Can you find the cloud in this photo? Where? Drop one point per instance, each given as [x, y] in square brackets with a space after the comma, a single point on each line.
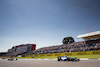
[3, 49]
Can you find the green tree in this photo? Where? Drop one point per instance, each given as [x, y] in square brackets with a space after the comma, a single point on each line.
[68, 40]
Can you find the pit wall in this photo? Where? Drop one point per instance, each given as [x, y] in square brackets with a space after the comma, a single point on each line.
[66, 54]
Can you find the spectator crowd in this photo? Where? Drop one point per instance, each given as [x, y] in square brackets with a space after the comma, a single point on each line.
[89, 45]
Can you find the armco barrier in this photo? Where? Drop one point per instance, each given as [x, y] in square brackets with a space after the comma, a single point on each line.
[74, 53]
[96, 52]
[67, 54]
[58, 54]
[81, 53]
[89, 52]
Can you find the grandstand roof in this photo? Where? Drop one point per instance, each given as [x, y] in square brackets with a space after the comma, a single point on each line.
[91, 35]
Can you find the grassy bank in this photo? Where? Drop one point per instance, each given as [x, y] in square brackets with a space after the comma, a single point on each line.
[77, 56]
[52, 57]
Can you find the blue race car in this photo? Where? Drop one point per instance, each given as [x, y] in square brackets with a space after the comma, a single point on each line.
[65, 58]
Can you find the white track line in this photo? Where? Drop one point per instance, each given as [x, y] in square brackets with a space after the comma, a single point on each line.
[99, 58]
[53, 59]
[36, 59]
[25, 59]
[84, 58]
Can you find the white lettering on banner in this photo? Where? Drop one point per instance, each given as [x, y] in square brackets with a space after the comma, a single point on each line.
[21, 49]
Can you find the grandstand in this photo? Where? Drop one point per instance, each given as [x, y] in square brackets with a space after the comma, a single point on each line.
[3, 53]
[23, 50]
[91, 42]
[90, 36]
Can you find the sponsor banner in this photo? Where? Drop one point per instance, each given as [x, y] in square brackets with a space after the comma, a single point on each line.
[96, 52]
[68, 54]
[58, 54]
[89, 52]
[41, 54]
[49, 54]
[36, 55]
[81, 53]
[74, 53]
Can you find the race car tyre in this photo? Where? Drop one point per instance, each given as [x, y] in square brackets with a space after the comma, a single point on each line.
[72, 59]
[58, 59]
[65, 60]
[16, 59]
[68, 59]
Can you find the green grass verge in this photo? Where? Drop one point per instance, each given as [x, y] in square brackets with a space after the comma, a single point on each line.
[87, 56]
[77, 56]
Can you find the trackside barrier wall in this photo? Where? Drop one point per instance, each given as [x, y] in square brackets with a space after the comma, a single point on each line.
[67, 54]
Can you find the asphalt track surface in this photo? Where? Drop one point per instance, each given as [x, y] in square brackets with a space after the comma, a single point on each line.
[49, 63]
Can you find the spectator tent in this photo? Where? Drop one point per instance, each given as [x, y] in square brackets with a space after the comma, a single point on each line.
[89, 36]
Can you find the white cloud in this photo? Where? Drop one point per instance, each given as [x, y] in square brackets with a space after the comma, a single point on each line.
[3, 49]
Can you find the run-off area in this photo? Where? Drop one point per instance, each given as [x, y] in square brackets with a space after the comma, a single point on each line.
[50, 63]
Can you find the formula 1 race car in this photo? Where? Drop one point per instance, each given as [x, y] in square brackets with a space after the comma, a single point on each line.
[65, 58]
[12, 59]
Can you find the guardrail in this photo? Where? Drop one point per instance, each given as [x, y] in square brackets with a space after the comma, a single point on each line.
[67, 54]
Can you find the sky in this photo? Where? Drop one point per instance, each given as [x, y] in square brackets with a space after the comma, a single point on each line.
[46, 22]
